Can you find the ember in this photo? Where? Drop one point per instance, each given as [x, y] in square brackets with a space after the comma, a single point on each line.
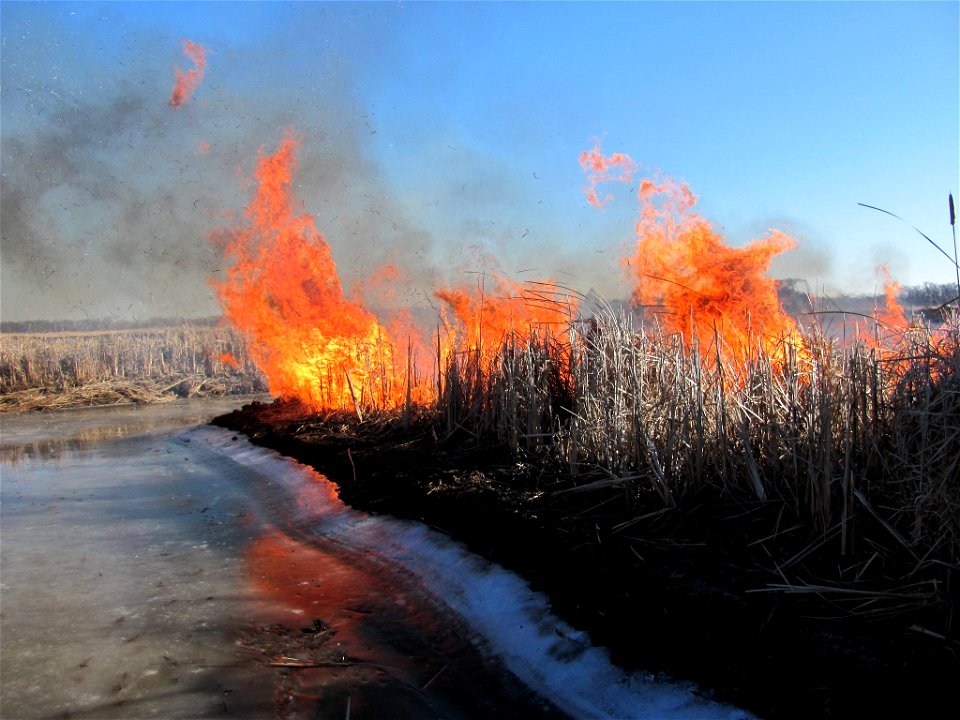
[187, 82]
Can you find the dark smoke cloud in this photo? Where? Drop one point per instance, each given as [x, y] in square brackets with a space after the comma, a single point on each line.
[108, 200]
[96, 194]
[106, 203]
[93, 216]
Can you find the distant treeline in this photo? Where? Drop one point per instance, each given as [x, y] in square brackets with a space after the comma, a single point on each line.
[794, 296]
[100, 324]
[929, 295]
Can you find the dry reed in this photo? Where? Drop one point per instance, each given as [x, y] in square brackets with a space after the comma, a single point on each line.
[856, 443]
[51, 370]
[859, 445]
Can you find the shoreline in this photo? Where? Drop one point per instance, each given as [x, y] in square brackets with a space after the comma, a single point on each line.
[118, 392]
[686, 592]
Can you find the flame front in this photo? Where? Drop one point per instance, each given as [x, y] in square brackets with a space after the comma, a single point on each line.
[313, 342]
[483, 318]
[283, 292]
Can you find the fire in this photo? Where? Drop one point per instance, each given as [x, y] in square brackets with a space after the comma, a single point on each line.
[891, 317]
[187, 82]
[601, 169]
[314, 343]
[709, 290]
[228, 358]
[686, 274]
[499, 309]
[894, 339]
[283, 292]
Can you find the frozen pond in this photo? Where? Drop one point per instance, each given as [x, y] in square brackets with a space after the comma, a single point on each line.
[154, 566]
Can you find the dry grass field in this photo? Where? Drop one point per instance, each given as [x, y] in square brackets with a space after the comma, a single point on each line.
[48, 370]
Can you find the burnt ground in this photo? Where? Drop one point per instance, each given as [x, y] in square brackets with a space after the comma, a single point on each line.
[686, 592]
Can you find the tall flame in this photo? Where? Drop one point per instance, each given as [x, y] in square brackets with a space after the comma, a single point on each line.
[894, 338]
[187, 82]
[891, 316]
[708, 289]
[283, 292]
[685, 273]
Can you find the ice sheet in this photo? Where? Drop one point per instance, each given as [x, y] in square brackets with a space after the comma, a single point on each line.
[512, 621]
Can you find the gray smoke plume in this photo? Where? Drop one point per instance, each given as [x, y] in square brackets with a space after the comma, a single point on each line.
[108, 195]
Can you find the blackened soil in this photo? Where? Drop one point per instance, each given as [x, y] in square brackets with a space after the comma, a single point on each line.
[688, 592]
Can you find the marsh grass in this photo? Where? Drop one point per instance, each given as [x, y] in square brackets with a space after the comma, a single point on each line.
[856, 444]
[65, 369]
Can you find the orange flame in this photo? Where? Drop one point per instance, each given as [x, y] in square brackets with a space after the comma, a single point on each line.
[486, 316]
[892, 315]
[707, 288]
[893, 336]
[187, 82]
[315, 344]
[283, 292]
[601, 169]
[697, 285]
[228, 358]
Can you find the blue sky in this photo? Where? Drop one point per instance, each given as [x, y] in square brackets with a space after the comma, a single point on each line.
[441, 135]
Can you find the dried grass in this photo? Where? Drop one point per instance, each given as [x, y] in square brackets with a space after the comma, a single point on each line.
[856, 448]
[46, 371]
[859, 446]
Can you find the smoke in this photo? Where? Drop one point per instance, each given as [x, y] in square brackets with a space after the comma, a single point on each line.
[108, 194]
[98, 216]
[810, 258]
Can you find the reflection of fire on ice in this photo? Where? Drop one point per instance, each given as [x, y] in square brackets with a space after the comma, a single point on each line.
[499, 610]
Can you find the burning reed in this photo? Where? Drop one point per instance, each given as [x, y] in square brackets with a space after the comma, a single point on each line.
[707, 394]
[859, 444]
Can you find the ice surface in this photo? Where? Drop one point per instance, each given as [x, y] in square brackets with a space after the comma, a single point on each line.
[152, 567]
[510, 619]
[116, 591]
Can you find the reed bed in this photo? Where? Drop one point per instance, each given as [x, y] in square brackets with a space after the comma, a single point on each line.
[856, 445]
[52, 370]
